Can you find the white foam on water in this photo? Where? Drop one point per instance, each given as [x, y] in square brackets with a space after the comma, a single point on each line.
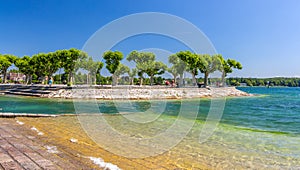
[74, 140]
[34, 129]
[104, 165]
[38, 132]
[20, 123]
[51, 149]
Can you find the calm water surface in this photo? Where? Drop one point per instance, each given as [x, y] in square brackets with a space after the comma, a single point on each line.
[254, 132]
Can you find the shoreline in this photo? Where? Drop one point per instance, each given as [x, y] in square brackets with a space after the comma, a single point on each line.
[147, 93]
[122, 92]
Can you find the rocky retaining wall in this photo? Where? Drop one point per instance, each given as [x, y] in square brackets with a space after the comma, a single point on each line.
[147, 93]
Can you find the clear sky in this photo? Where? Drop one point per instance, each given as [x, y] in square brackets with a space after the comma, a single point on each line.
[264, 35]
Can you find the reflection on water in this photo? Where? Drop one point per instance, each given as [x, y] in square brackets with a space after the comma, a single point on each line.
[255, 132]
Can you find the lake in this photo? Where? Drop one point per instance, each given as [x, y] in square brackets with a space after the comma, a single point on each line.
[254, 132]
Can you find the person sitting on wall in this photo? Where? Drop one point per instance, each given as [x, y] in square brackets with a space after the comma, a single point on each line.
[167, 83]
[173, 83]
[50, 82]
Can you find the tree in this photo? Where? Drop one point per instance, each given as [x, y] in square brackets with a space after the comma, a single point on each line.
[154, 68]
[142, 60]
[98, 72]
[6, 61]
[122, 69]
[70, 60]
[132, 74]
[93, 67]
[24, 67]
[208, 64]
[191, 61]
[179, 66]
[39, 63]
[52, 63]
[113, 60]
[227, 66]
[174, 71]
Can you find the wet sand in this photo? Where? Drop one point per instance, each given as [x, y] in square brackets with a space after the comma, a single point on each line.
[61, 143]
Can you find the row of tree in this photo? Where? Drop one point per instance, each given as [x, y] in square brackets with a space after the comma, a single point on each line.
[277, 81]
[181, 62]
[44, 65]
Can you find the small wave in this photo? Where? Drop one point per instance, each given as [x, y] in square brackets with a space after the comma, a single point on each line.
[36, 130]
[20, 123]
[105, 165]
[263, 131]
[51, 149]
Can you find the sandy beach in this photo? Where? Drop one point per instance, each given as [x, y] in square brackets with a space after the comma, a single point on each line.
[62, 143]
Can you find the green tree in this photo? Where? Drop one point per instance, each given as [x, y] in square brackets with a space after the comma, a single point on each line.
[179, 67]
[52, 63]
[132, 74]
[23, 64]
[142, 60]
[227, 66]
[192, 62]
[122, 69]
[70, 61]
[208, 64]
[154, 68]
[6, 61]
[98, 72]
[38, 62]
[174, 71]
[113, 60]
[93, 67]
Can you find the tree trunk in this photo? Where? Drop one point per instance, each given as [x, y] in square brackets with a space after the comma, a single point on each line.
[205, 79]
[131, 80]
[141, 81]
[87, 79]
[95, 80]
[194, 79]
[151, 80]
[174, 77]
[71, 78]
[26, 78]
[223, 79]
[29, 78]
[114, 80]
[180, 80]
[4, 76]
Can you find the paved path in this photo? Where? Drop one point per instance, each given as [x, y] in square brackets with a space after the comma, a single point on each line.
[44, 143]
[20, 148]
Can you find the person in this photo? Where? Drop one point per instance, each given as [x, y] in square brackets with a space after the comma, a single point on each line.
[167, 83]
[50, 82]
[173, 83]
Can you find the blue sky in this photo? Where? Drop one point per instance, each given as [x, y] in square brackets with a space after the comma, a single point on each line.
[263, 35]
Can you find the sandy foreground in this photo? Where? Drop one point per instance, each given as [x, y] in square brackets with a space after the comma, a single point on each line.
[60, 143]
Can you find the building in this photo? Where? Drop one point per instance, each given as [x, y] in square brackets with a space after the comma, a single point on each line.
[16, 77]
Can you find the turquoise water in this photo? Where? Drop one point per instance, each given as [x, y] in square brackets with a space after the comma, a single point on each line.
[264, 129]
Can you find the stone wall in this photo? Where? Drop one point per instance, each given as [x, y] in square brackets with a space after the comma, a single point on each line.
[146, 93]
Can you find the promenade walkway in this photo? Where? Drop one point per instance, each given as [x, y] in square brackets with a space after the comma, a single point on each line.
[60, 143]
[22, 148]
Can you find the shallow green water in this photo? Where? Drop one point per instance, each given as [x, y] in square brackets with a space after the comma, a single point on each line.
[263, 130]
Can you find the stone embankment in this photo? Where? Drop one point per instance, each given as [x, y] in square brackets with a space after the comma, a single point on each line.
[146, 93]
